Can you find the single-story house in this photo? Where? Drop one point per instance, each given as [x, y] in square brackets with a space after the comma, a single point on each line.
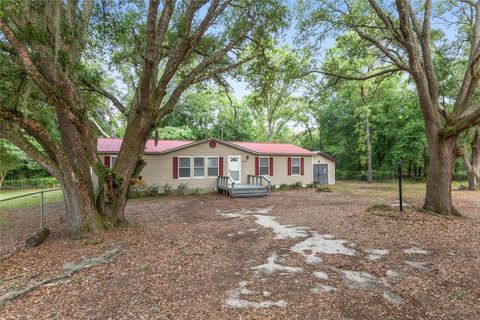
[197, 164]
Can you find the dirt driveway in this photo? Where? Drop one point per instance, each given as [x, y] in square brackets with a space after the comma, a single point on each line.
[293, 255]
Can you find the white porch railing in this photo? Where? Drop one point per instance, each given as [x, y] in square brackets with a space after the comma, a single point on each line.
[257, 180]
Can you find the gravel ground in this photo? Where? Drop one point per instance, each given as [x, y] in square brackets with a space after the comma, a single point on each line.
[294, 255]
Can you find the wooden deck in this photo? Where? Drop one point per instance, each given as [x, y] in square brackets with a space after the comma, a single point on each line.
[244, 190]
[238, 190]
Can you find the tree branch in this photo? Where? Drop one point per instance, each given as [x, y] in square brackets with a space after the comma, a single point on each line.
[36, 131]
[465, 121]
[377, 43]
[120, 106]
[30, 67]
[17, 138]
[348, 77]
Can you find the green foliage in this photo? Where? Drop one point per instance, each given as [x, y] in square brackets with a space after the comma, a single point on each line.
[8, 159]
[167, 188]
[33, 183]
[273, 80]
[207, 113]
[339, 110]
[176, 133]
[294, 186]
[103, 172]
[144, 191]
[182, 189]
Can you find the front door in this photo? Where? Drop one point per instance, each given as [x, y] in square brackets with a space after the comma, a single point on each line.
[320, 173]
[234, 170]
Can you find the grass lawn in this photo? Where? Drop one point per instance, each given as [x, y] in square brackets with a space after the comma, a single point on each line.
[296, 254]
[28, 201]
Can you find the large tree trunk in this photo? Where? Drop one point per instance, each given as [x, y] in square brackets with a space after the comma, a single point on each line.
[81, 211]
[113, 198]
[320, 138]
[2, 177]
[77, 183]
[369, 149]
[442, 155]
[472, 163]
[472, 181]
[474, 175]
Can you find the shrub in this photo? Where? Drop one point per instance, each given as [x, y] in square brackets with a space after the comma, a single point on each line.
[167, 188]
[284, 186]
[33, 183]
[195, 191]
[182, 189]
[153, 190]
[294, 186]
[138, 191]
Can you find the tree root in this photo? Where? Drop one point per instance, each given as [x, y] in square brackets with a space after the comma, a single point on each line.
[68, 270]
[455, 213]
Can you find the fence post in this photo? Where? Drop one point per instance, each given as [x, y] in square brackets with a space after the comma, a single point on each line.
[400, 196]
[41, 210]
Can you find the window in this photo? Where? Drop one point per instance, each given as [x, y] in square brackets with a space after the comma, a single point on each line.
[198, 167]
[184, 167]
[212, 170]
[113, 159]
[296, 166]
[264, 166]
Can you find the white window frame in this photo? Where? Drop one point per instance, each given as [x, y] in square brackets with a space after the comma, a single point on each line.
[218, 166]
[260, 166]
[112, 162]
[191, 167]
[299, 166]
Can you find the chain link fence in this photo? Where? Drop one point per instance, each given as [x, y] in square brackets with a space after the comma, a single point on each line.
[22, 215]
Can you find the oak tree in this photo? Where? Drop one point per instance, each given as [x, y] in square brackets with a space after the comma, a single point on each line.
[401, 37]
[164, 47]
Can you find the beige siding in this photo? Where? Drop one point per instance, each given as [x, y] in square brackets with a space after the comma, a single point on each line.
[159, 168]
[280, 171]
[331, 167]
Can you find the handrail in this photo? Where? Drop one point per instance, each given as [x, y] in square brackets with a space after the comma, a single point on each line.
[257, 180]
[222, 181]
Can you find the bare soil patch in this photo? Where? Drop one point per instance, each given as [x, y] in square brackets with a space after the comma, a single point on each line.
[213, 257]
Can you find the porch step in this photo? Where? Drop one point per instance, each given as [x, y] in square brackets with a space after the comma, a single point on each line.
[244, 190]
[247, 194]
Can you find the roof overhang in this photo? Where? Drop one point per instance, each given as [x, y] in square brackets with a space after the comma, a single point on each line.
[326, 155]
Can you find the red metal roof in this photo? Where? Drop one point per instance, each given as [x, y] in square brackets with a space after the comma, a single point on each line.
[112, 145]
[273, 148]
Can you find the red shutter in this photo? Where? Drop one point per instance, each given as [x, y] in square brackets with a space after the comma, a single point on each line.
[289, 166]
[257, 168]
[220, 166]
[175, 167]
[271, 166]
[106, 161]
[301, 166]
